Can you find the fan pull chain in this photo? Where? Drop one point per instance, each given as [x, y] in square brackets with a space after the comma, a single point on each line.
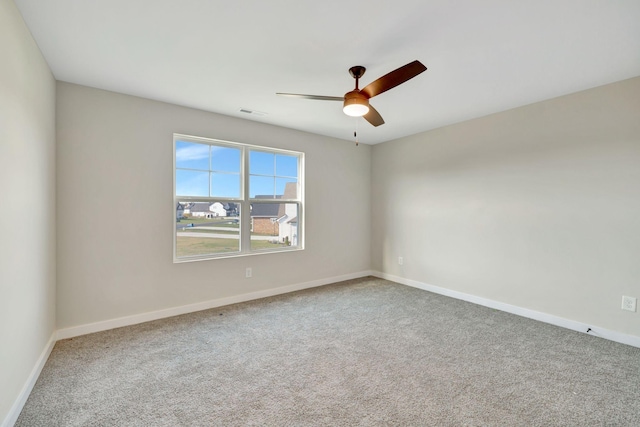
[355, 132]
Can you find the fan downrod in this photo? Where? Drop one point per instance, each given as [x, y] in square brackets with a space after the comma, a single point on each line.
[357, 72]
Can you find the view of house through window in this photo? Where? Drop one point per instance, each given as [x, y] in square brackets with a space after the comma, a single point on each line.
[235, 199]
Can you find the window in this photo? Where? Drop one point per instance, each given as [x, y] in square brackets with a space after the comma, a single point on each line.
[235, 199]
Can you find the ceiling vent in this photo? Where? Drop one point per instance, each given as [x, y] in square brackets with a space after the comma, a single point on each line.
[252, 112]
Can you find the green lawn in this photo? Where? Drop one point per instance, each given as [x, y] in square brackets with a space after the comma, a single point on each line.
[190, 246]
[264, 244]
[196, 230]
[215, 222]
[195, 220]
[235, 225]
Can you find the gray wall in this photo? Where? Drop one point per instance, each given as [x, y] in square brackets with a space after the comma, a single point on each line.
[537, 207]
[115, 208]
[27, 192]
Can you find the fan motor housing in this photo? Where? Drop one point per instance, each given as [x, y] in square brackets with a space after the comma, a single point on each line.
[357, 71]
[355, 97]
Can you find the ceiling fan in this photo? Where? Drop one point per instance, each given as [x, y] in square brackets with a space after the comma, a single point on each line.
[356, 102]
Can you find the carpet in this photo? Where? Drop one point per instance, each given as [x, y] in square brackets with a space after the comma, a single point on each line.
[365, 352]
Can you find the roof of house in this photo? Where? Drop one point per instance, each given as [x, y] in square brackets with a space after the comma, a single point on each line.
[200, 207]
[290, 192]
[268, 210]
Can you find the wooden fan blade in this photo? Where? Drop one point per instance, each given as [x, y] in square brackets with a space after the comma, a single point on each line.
[316, 97]
[373, 117]
[393, 79]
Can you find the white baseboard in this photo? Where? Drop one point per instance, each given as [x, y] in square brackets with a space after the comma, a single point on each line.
[75, 331]
[520, 311]
[17, 406]
[205, 305]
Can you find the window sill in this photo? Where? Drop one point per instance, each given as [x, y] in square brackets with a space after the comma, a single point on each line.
[210, 257]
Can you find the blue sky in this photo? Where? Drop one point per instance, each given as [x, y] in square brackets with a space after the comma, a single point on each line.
[200, 167]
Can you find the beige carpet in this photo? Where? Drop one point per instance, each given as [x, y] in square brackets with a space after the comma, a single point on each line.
[366, 352]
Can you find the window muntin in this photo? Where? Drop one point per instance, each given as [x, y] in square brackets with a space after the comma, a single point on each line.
[204, 170]
[224, 199]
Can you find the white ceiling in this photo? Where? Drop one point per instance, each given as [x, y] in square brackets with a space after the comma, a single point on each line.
[221, 56]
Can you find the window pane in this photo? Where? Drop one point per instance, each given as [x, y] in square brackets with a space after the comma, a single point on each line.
[274, 225]
[225, 185]
[204, 228]
[261, 163]
[225, 159]
[192, 156]
[286, 165]
[192, 183]
[287, 188]
[261, 186]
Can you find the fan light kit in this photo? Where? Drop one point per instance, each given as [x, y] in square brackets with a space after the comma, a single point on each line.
[356, 102]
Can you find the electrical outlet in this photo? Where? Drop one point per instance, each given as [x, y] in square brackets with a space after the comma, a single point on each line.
[248, 273]
[400, 260]
[629, 303]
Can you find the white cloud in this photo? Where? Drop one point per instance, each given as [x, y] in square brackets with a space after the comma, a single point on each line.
[192, 152]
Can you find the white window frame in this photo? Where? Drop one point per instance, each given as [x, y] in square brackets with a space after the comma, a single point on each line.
[244, 200]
